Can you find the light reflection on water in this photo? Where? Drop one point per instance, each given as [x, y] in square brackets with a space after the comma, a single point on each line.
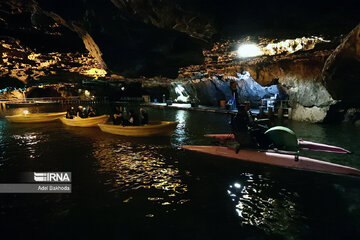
[258, 203]
[149, 177]
[28, 142]
[140, 166]
[180, 136]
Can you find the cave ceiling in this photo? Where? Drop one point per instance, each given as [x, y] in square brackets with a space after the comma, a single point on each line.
[149, 38]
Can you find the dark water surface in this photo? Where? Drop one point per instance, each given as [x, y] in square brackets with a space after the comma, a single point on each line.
[148, 188]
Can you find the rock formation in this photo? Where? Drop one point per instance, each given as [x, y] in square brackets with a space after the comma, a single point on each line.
[23, 65]
[341, 73]
[169, 42]
[298, 75]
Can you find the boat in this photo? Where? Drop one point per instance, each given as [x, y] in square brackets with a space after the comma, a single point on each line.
[304, 145]
[35, 117]
[85, 122]
[277, 159]
[159, 128]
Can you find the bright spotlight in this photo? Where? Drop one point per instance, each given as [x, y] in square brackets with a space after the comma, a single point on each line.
[249, 50]
[26, 112]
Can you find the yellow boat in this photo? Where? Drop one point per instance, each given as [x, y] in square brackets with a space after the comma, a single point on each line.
[35, 117]
[160, 128]
[85, 122]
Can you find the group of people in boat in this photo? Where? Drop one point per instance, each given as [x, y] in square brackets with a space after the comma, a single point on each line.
[81, 112]
[132, 119]
[119, 117]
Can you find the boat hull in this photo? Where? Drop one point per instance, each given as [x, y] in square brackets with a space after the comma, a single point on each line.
[163, 128]
[305, 145]
[35, 117]
[85, 122]
[277, 159]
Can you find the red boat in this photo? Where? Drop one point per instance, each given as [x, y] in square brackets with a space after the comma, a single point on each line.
[278, 159]
[304, 145]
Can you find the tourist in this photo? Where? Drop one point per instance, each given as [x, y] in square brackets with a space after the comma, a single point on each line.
[71, 113]
[81, 112]
[133, 119]
[248, 133]
[240, 128]
[144, 116]
[91, 112]
[118, 116]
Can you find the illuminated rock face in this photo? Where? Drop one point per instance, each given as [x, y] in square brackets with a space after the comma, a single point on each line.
[36, 45]
[264, 69]
[309, 100]
[71, 39]
[341, 73]
[210, 91]
[309, 114]
[227, 51]
[298, 75]
[205, 91]
[135, 38]
[250, 90]
[149, 38]
[23, 64]
[131, 38]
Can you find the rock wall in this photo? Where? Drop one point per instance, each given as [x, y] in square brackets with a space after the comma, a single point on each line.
[249, 90]
[205, 91]
[24, 65]
[296, 75]
[209, 91]
[341, 73]
[309, 114]
[69, 39]
[308, 98]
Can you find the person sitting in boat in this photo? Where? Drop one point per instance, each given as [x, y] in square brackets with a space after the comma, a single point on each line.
[81, 112]
[144, 116]
[118, 116]
[240, 124]
[91, 112]
[71, 113]
[248, 133]
[133, 119]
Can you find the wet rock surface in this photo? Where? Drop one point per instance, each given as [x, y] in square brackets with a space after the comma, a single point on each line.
[341, 73]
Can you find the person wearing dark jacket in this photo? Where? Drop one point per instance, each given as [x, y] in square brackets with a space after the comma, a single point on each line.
[240, 125]
[118, 116]
[81, 112]
[144, 116]
[133, 119]
[91, 112]
[248, 133]
[71, 113]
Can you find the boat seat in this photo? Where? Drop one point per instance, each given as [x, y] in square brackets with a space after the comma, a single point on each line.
[283, 138]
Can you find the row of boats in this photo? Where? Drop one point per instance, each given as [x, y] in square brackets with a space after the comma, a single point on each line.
[156, 128]
[166, 128]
